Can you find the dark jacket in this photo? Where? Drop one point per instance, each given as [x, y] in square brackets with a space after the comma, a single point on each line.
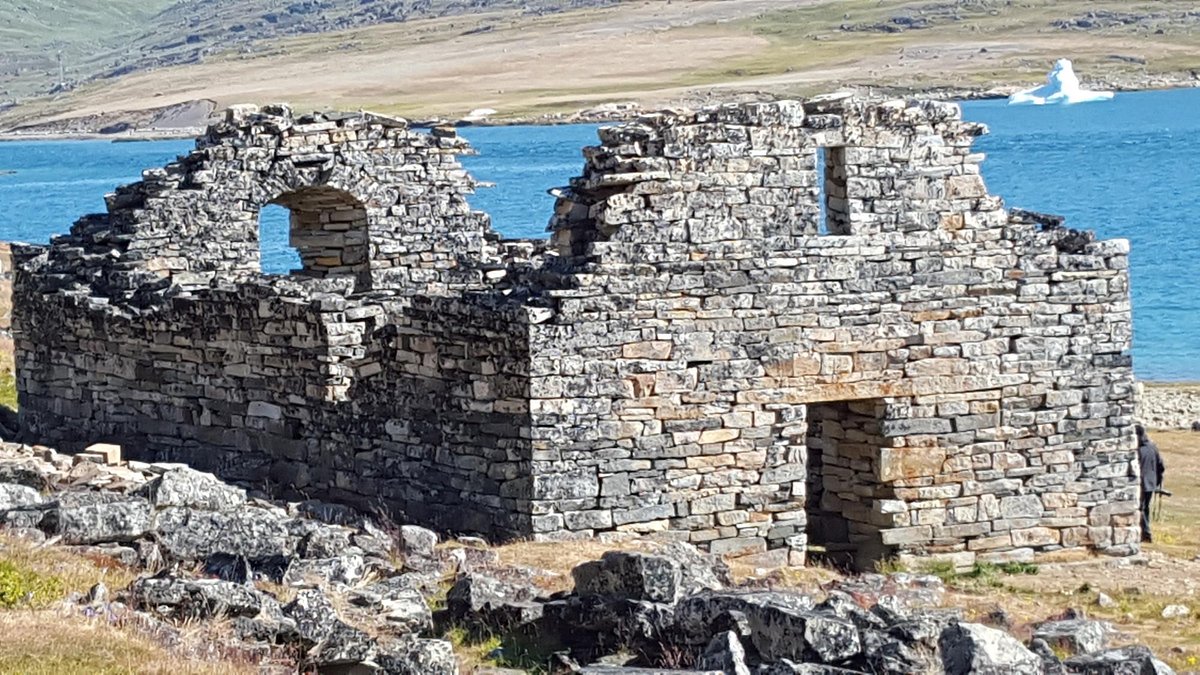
[1152, 466]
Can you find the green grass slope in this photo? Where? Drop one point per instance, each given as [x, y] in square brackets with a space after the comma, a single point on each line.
[33, 24]
[109, 38]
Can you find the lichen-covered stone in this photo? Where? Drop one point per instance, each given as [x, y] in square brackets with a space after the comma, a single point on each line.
[94, 518]
[189, 534]
[196, 598]
[193, 489]
[971, 648]
[13, 496]
[417, 656]
[1077, 636]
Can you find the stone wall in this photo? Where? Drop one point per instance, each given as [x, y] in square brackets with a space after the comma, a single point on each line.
[711, 276]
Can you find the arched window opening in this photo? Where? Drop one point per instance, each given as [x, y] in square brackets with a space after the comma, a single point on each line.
[315, 232]
[275, 252]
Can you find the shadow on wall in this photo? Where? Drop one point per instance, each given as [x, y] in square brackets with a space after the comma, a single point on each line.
[8, 381]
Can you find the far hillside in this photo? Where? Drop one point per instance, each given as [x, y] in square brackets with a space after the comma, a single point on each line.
[532, 57]
[104, 39]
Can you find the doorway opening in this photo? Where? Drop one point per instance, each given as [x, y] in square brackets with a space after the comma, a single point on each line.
[844, 440]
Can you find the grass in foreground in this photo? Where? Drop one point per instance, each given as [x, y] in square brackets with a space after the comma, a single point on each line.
[41, 635]
[8, 389]
[53, 643]
[52, 573]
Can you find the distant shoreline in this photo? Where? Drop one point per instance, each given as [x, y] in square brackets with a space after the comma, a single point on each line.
[599, 115]
[134, 137]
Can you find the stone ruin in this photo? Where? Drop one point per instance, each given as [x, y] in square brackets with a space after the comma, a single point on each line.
[771, 329]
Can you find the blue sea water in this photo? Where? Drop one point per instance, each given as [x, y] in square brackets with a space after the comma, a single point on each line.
[1125, 169]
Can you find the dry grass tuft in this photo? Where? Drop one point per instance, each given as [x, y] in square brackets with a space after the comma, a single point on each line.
[53, 643]
[50, 636]
[558, 558]
[76, 573]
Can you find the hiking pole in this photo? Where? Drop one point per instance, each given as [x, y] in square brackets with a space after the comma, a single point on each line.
[1158, 505]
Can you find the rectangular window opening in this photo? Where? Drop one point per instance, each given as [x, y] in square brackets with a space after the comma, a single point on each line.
[832, 194]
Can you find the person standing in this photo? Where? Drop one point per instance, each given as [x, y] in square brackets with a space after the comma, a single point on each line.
[1152, 476]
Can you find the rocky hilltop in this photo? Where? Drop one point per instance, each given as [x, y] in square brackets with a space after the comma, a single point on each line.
[321, 587]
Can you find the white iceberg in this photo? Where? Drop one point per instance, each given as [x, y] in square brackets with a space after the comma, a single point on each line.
[480, 114]
[1061, 88]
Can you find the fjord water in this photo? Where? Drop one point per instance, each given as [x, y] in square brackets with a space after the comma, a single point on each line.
[1125, 168]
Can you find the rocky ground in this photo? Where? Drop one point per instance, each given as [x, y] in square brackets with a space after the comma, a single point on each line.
[1170, 406]
[230, 578]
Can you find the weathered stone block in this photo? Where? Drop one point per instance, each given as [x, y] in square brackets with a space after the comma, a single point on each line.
[908, 462]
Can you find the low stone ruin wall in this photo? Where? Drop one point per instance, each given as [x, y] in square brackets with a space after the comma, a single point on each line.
[304, 395]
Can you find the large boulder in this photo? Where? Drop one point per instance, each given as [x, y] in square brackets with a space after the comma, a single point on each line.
[1076, 636]
[630, 576]
[974, 649]
[189, 534]
[778, 633]
[704, 614]
[1137, 660]
[98, 517]
[195, 598]
[416, 656]
[488, 601]
[663, 576]
[183, 486]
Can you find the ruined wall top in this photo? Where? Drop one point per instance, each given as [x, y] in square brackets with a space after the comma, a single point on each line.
[738, 180]
[379, 207]
[374, 206]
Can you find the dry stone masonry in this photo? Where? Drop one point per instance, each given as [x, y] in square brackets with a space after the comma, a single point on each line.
[758, 328]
